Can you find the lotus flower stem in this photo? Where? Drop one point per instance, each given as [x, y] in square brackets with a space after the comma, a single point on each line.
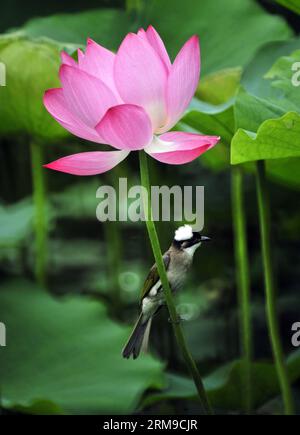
[243, 280]
[264, 219]
[205, 406]
[39, 198]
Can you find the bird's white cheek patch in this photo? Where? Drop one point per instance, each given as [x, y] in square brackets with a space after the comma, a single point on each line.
[191, 250]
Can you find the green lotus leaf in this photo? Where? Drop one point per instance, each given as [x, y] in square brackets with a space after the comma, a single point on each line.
[64, 356]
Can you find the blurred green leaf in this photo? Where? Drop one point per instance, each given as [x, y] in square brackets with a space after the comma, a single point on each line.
[224, 386]
[31, 68]
[77, 201]
[230, 32]
[285, 80]
[213, 114]
[220, 86]
[210, 119]
[65, 356]
[269, 95]
[224, 36]
[251, 111]
[15, 223]
[253, 77]
[282, 68]
[217, 159]
[75, 254]
[293, 5]
[267, 113]
[106, 26]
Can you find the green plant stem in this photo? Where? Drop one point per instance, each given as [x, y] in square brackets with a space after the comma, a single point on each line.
[134, 5]
[205, 406]
[243, 280]
[114, 250]
[114, 255]
[264, 219]
[39, 198]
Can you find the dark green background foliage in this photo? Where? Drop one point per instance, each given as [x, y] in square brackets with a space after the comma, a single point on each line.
[64, 343]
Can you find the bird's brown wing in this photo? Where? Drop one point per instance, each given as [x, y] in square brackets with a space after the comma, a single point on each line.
[153, 276]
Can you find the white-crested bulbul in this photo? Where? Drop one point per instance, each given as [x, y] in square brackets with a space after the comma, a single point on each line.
[177, 260]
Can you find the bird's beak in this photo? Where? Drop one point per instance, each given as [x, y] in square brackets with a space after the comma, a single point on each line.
[205, 239]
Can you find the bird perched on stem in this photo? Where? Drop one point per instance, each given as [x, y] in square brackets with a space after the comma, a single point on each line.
[177, 260]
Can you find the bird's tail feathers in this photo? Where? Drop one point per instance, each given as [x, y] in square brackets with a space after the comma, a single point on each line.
[138, 339]
[145, 342]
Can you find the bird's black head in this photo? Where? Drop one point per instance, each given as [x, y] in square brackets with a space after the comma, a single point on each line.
[185, 237]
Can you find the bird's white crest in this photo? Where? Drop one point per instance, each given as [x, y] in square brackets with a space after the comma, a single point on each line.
[184, 233]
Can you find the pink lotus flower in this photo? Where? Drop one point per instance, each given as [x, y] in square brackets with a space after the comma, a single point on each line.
[128, 100]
